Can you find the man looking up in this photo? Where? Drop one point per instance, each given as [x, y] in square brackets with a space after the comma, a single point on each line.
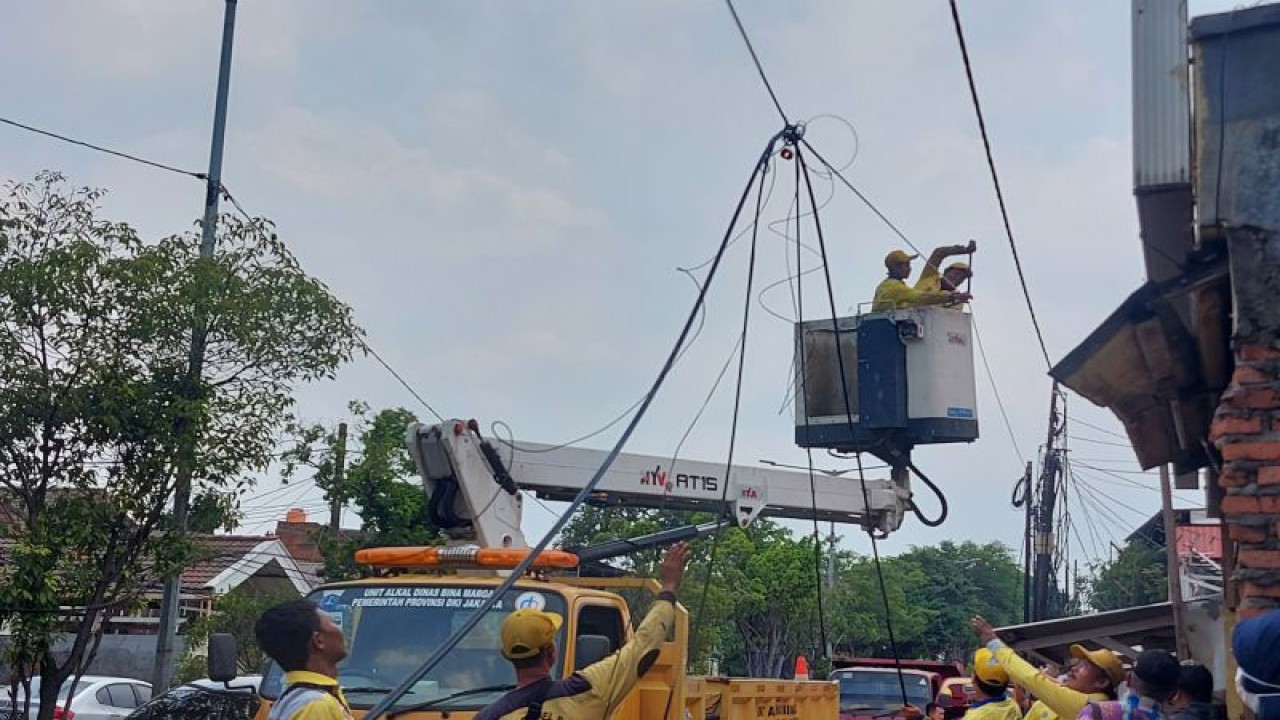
[308, 646]
[1094, 677]
[528, 641]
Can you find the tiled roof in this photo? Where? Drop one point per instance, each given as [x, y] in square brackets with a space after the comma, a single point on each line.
[216, 553]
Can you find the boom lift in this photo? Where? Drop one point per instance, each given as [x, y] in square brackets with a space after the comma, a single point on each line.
[474, 497]
[418, 596]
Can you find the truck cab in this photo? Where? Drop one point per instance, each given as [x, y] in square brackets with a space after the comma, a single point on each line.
[391, 624]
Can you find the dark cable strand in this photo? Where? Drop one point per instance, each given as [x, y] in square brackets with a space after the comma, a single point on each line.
[995, 180]
[519, 571]
[756, 59]
[101, 149]
[844, 391]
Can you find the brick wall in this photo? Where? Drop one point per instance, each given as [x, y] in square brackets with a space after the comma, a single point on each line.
[1246, 431]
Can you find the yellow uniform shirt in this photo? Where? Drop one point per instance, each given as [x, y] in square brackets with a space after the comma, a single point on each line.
[1002, 709]
[592, 692]
[895, 294]
[1054, 701]
[931, 282]
[310, 696]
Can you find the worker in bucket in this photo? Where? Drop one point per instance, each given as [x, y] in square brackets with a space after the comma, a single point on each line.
[528, 641]
[991, 692]
[893, 293]
[934, 278]
[1093, 677]
[1151, 684]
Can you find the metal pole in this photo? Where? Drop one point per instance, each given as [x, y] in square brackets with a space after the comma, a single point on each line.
[1028, 504]
[1171, 559]
[162, 671]
[339, 471]
[1044, 545]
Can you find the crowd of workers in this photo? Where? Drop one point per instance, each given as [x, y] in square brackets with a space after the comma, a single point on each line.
[308, 646]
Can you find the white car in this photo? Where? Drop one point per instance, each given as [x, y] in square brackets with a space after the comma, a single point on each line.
[96, 698]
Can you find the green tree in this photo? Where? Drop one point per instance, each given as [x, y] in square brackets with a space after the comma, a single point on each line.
[1135, 576]
[856, 609]
[380, 480]
[98, 399]
[961, 580]
[236, 613]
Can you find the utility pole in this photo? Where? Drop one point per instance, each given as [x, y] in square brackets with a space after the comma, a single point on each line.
[185, 465]
[1044, 540]
[1171, 560]
[339, 472]
[1027, 506]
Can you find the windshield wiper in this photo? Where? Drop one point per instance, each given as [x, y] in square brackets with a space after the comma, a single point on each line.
[370, 689]
[428, 704]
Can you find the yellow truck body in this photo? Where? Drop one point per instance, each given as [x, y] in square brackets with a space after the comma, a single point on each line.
[391, 622]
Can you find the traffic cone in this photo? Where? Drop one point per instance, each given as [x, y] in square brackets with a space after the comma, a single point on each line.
[802, 668]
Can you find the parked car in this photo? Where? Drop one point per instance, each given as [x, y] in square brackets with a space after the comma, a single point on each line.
[95, 698]
[205, 700]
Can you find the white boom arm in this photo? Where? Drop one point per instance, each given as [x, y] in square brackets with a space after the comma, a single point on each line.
[474, 498]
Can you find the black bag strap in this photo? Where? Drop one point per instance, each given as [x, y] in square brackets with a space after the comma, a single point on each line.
[535, 704]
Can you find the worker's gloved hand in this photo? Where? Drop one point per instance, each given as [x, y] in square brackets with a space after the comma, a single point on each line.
[673, 564]
[986, 633]
[911, 712]
[959, 297]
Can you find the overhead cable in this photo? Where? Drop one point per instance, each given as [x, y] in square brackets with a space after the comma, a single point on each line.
[995, 180]
[518, 572]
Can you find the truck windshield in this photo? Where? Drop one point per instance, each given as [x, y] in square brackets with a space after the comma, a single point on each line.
[870, 692]
[391, 629]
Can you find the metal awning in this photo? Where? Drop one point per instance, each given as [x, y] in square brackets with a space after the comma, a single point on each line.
[1048, 641]
[1144, 364]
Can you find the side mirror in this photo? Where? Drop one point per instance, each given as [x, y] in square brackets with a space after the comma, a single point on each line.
[590, 649]
[222, 657]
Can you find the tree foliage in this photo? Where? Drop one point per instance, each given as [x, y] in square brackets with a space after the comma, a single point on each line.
[761, 592]
[236, 612]
[98, 394]
[1135, 576]
[379, 480]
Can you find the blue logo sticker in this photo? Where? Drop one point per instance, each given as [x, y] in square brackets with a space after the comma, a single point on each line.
[959, 412]
[330, 602]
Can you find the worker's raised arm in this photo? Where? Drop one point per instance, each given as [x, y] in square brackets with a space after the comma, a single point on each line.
[612, 678]
[1063, 701]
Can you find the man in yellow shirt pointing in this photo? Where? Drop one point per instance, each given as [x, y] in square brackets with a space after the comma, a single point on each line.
[1094, 677]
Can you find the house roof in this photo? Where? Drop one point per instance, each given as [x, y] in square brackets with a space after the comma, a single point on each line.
[225, 561]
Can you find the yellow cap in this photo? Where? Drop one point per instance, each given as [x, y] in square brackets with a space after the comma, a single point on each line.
[526, 632]
[898, 256]
[958, 266]
[988, 669]
[1105, 660]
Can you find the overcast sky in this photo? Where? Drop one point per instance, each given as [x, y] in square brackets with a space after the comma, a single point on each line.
[504, 191]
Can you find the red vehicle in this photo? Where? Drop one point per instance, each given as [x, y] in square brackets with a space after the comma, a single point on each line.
[869, 687]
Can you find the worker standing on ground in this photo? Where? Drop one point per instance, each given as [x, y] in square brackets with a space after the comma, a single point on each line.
[1194, 700]
[893, 293]
[991, 690]
[1094, 677]
[1152, 683]
[308, 646]
[528, 641]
